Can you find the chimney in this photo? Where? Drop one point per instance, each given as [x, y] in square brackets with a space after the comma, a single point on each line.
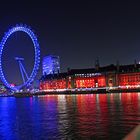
[135, 63]
[68, 70]
[97, 65]
[117, 65]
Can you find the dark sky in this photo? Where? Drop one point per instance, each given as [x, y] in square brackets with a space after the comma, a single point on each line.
[76, 31]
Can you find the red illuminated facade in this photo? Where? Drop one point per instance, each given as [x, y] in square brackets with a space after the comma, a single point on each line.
[90, 82]
[124, 76]
[85, 82]
[130, 79]
[53, 84]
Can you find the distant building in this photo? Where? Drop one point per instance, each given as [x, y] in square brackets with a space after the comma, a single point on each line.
[111, 76]
[51, 65]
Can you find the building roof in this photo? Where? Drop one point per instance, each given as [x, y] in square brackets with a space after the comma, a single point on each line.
[54, 76]
[108, 68]
[104, 69]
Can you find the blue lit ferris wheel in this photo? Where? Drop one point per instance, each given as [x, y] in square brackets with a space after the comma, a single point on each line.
[30, 33]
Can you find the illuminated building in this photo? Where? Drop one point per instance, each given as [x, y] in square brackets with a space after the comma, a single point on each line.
[51, 65]
[2, 88]
[111, 76]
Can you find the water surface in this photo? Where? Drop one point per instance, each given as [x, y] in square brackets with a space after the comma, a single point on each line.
[90, 116]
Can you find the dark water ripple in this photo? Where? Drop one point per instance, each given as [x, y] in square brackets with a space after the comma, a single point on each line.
[98, 116]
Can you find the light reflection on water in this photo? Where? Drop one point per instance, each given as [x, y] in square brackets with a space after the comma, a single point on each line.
[90, 116]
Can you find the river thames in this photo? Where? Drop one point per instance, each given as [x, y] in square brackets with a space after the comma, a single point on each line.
[72, 117]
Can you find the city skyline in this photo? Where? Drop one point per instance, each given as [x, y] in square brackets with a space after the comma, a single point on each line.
[77, 31]
[69, 70]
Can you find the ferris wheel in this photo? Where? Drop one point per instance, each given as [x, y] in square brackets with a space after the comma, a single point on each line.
[29, 79]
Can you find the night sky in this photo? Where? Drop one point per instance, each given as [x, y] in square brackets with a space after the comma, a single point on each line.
[77, 31]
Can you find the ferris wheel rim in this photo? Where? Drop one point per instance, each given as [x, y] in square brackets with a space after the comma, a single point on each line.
[30, 33]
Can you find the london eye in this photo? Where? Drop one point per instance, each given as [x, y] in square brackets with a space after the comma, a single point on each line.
[29, 78]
